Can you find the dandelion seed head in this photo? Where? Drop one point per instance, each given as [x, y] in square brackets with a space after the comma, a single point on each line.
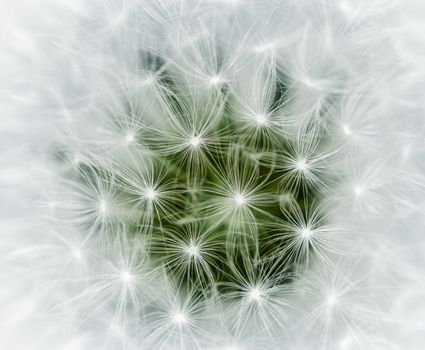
[230, 171]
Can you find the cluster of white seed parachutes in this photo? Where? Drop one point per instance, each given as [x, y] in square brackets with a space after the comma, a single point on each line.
[222, 175]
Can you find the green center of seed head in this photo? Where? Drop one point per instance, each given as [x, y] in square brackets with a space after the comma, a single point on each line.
[228, 201]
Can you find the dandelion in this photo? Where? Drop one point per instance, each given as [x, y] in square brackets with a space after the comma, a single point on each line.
[217, 174]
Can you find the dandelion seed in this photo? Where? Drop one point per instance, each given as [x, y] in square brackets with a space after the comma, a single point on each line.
[302, 165]
[103, 207]
[129, 137]
[309, 82]
[264, 47]
[126, 277]
[148, 80]
[195, 141]
[240, 199]
[346, 343]
[358, 190]
[215, 80]
[261, 119]
[192, 250]
[78, 255]
[347, 130]
[179, 318]
[331, 299]
[76, 159]
[346, 7]
[150, 194]
[306, 233]
[255, 294]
